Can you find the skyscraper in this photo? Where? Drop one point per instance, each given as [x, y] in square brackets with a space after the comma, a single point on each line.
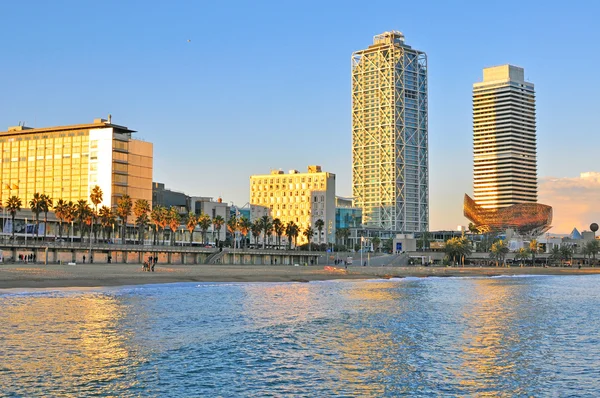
[390, 171]
[504, 139]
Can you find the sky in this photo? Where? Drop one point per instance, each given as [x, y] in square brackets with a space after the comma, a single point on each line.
[225, 90]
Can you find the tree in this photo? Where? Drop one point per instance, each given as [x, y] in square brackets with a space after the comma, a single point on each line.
[344, 234]
[158, 217]
[592, 248]
[499, 251]
[124, 205]
[555, 254]
[60, 209]
[190, 224]
[266, 226]
[69, 215]
[291, 231]
[319, 224]
[232, 227]
[308, 233]
[141, 208]
[82, 210]
[174, 221]
[376, 242]
[218, 223]
[46, 205]
[256, 229]
[458, 247]
[96, 198]
[245, 226]
[13, 205]
[279, 229]
[36, 208]
[204, 223]
[107, 220]
[522, 254]
[566, 253]
[533, 250]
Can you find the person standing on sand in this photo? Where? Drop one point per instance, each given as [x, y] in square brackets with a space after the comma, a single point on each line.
[84, 258]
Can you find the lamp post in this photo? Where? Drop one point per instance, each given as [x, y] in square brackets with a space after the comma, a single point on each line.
[72, 231]
[25, 231]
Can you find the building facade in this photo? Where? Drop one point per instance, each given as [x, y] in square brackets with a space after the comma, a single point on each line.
[302, 198]
[504, 139]
[346, 215]
[390, 165]
[66, 162]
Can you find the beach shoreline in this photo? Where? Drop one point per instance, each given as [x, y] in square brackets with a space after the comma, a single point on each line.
[25, 276]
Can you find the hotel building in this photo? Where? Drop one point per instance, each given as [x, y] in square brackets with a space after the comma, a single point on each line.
[66, 162]
[390, 170]
[302, 198]
[504, 139]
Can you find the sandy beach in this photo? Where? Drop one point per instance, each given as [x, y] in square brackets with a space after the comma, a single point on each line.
[14, 276]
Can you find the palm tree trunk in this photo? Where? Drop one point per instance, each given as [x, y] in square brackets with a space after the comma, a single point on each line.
[45, 224]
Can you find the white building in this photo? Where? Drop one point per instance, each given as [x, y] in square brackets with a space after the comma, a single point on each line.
[504, 138]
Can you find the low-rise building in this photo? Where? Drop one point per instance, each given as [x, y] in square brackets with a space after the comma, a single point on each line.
[302, 198]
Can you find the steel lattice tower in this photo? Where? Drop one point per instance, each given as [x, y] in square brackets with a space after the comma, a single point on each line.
[390, 171]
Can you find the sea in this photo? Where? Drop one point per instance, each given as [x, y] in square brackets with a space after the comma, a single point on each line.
[482, 336]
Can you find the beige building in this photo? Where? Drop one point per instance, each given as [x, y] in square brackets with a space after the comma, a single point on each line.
[65, 162]
[302, 198]
[504, 139]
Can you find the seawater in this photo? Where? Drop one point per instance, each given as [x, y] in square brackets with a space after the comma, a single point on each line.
[535, 336]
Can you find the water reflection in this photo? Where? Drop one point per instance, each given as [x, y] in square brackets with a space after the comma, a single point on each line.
[69, 342]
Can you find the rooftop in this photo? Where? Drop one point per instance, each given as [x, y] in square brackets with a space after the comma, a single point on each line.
[98, 123]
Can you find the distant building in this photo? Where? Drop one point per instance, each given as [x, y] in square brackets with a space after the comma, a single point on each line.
[66, 162]
[167, 198]
[390, 161]
[346, 215]
[302, 198]
[504, 139]
[505, 155]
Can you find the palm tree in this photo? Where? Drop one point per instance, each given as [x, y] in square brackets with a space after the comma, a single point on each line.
[457, 247]
[279, 229]
[291, 231]
[592, 248]
[343, 234]
[69, 214]
[555, 254]
[141, 208]
[566, 252]
[46, 205]
[498, 251]
[522, 254]
[204, 223]
[266, 226]
[533, 249]
[107, 220]
[218, 223]
[244, 225]
[157, 216]
[256, 229]
[96, 196]
[59, 211]
[13, 205]
[232, 227]
[36, 207]
[124, 205]
[308, 234]
[376, 242]
[82, 210]
[190, 224]
[319, 224]
[174, 221]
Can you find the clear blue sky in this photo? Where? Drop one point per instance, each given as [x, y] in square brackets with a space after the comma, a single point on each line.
[265, 85]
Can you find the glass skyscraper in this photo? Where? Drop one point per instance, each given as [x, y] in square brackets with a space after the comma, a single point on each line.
[390, 165]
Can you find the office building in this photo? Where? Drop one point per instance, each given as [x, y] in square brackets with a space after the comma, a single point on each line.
[302, 198]
[66, 162]
[504, 139]
[390, 171]
[346, 215]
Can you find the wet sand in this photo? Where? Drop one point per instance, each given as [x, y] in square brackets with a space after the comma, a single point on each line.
[18, 276]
